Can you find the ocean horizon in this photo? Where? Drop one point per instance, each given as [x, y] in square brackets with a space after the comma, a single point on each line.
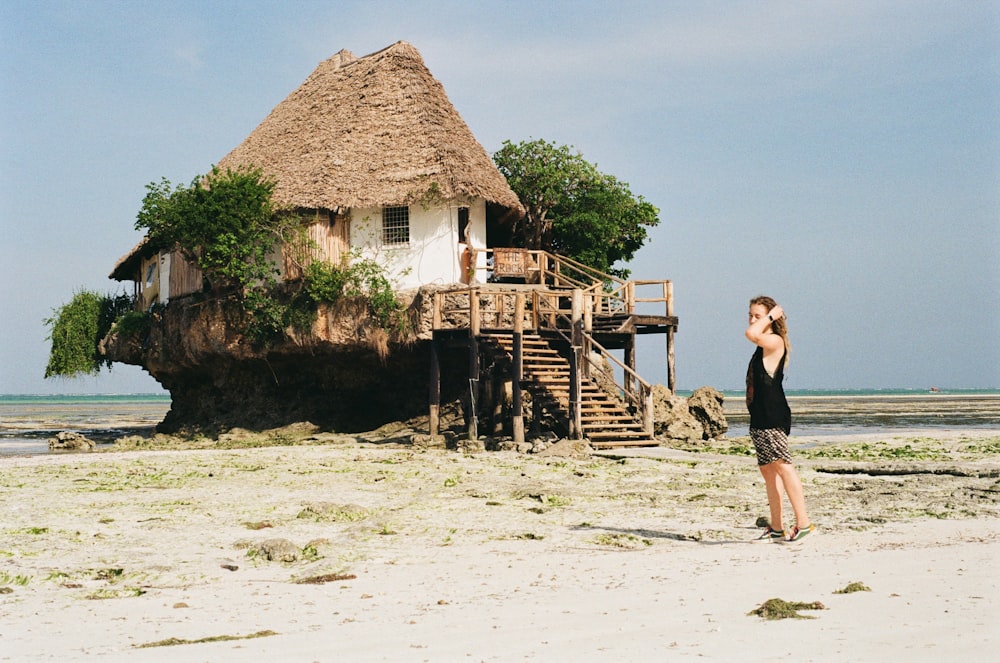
[833, 391]
[27, 421]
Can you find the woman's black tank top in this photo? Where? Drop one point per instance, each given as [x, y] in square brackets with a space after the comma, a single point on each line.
[765, 395]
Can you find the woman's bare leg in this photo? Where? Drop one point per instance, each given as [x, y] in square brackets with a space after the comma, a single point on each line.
[773, 483]
[793, 488]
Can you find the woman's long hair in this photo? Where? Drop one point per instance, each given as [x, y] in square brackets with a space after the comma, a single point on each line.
[779, 327]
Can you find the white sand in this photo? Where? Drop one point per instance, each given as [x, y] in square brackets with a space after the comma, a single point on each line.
[494, 557]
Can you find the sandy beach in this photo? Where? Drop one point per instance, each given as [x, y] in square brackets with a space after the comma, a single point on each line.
[343, 549]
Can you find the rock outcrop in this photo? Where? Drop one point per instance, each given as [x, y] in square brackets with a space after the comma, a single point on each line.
[705, 405]
[697, 418]
[70, 441]
[343, 374]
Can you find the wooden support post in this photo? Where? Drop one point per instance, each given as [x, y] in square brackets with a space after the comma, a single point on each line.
[517, 419]
[434, 395]
[647, 410]
[630, 362]
[436, 314]
[497, 398]
[576, 313]
[576, 363]
[473, 418]
[536, 417]
[576, 383]
[474, 312]
[588, 327]
[668, 294]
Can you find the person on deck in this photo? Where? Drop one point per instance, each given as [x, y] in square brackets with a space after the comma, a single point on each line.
[771, 418]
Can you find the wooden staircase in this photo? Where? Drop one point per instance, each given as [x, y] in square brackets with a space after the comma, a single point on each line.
[605, 420]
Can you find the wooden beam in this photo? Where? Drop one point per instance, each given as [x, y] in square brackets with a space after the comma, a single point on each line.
[517, 417]
[474, 312]
[630, 362]
[434, 395]
[473, 414]
[576, 377]
[668, 294]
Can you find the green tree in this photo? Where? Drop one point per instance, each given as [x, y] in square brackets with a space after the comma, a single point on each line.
[572, 208]
[224, 222]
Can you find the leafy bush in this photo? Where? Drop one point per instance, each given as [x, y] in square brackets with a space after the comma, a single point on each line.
[76, 329]
[324, 282]
[224, 222]
[267, 318]
[364, 278]
[134, 324]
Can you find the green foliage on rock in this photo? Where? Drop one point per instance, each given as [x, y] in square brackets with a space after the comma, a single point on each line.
[572, 208]
[133, 324]
[76, 329]
[227, 224]
[325, 283]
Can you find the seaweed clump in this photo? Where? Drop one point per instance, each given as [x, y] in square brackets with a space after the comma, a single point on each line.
[781, 609]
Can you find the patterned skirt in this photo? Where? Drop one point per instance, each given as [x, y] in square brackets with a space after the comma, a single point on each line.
[771, 445]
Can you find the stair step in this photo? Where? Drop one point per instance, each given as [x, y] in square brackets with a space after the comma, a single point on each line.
[611, 444]
[618, 434]
[624, 422]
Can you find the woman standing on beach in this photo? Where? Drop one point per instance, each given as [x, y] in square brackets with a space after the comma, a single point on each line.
[771, 418]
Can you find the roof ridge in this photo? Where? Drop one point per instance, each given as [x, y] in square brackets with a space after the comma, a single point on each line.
[399, 47]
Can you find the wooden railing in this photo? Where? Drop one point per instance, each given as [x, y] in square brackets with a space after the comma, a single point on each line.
[611, 294]
[485, 307]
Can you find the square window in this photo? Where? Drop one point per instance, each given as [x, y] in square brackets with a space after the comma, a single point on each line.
[396, 225]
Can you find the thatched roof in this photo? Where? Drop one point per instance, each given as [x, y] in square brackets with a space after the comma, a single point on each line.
[369, 132]
[128, 264]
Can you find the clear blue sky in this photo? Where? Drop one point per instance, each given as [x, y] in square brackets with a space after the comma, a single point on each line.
[843, 157]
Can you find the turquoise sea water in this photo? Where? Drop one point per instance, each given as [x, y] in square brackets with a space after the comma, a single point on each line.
[27, 421]
[817, 413]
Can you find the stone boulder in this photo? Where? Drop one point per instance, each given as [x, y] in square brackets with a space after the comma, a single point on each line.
[706, 406]
[567, 448]
[68, 440]
[671, 417]
[279, 550]
[697, 418]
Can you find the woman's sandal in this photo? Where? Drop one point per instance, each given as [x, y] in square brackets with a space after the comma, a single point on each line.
[799, 534]
[774, 535]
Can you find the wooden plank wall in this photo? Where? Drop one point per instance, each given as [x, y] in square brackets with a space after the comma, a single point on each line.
[330, 236]
[185, 277]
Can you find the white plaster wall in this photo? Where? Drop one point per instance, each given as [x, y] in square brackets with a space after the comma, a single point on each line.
[432, 255]
[164, 277]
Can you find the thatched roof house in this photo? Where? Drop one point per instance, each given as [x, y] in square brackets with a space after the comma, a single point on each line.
[370, 132]
[378, 160]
